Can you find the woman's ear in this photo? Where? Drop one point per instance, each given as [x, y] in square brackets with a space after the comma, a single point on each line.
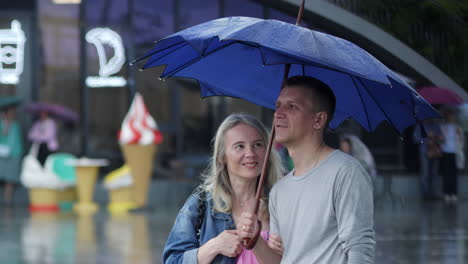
[222, 160]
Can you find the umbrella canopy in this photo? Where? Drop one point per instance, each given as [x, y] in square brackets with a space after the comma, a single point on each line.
[58, 111]
[9, 101]
[438, 95]
[245, 58]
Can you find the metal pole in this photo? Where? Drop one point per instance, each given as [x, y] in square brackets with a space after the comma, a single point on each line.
[84, 88]
[36, 58]
[130, 51]
[175, 95]
[221, 104]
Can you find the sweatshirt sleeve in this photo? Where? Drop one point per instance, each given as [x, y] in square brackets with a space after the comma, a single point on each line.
[274, 228]
[355, 213]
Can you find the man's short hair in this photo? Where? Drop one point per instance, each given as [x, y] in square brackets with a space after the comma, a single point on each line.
[323, 98]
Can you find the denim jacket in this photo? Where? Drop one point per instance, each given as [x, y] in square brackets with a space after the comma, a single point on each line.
[182, 245]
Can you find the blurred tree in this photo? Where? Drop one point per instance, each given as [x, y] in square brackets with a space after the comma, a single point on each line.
[437, 29]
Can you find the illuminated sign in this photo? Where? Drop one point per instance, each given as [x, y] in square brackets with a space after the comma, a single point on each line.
[64, 2]
[11, 53]
[100, 37]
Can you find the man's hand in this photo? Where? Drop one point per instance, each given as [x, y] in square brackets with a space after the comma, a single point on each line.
[276, 244]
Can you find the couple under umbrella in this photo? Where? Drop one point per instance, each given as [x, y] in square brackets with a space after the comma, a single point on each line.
[250, 58]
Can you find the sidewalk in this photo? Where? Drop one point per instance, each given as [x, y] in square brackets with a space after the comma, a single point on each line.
[407, 231]
[173, 192]
[407, 185]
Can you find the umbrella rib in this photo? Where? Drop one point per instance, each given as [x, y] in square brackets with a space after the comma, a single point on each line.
[167, 53]
[171, 73]
[152, 53]
[393, 125]
[362, 101]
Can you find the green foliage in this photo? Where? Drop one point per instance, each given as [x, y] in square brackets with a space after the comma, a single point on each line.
[437, 29]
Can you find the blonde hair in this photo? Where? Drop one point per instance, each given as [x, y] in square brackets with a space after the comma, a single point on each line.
[216, 178]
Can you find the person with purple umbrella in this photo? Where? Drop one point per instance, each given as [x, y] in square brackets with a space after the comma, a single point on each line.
[44, 133]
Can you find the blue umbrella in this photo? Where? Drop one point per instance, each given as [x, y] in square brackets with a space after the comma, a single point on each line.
[245, 57]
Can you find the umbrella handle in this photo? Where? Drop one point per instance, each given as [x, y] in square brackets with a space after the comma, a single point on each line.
[250, 243]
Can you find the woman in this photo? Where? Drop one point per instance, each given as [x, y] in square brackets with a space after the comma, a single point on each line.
[452, 151]
[44, 133]
[204, 230]
[11, 151]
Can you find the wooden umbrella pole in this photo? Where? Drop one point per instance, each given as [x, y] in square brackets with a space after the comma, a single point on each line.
[299, 14]
[264, 169]
[250, 243]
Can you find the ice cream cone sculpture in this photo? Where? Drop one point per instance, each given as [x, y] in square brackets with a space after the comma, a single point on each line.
[119, 183]
[138, 138]
[46, 183]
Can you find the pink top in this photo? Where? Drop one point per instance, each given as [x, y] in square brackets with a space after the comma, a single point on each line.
[247, 256]
[45, 131]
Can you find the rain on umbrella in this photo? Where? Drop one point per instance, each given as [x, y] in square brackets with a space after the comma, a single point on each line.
[245, 58]
[58, 111]
[249, 58]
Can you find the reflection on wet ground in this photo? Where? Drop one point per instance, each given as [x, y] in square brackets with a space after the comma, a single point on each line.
[64, 238]
[416, 232]
[407, 232]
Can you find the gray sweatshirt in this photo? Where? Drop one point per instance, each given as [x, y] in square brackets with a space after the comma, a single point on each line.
[326, 215]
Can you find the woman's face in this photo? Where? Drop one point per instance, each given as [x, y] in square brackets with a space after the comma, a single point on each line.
[245, 151]
[345, 146]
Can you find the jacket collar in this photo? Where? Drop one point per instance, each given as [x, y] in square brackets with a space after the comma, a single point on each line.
[220, 215]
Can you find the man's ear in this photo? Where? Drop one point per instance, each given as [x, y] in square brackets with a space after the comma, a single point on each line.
[320, 120]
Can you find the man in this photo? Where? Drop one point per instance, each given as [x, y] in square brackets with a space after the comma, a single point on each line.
[323, 209]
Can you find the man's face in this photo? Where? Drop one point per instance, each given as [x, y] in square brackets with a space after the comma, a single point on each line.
[294, 116]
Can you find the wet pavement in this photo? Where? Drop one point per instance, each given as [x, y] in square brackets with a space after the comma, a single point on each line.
[406, 231]
[421, 232]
